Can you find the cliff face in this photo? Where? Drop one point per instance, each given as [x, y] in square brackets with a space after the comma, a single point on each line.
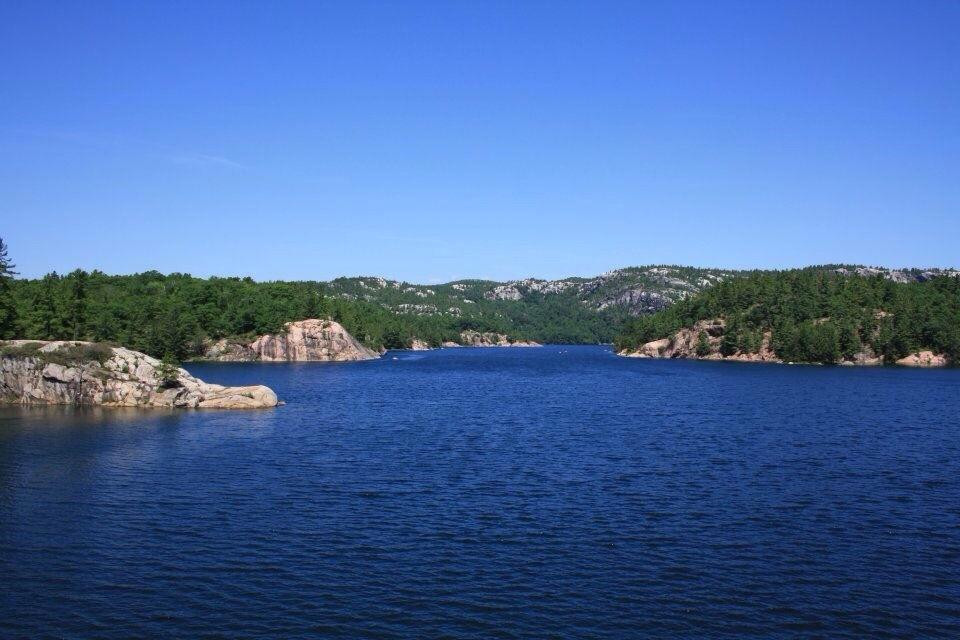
[472, 338]
[684, 344]
[82, 373]
[305, 340]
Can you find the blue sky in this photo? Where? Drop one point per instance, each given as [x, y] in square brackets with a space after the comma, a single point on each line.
[435, 141]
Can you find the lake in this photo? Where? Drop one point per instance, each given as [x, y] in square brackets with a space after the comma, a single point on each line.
[561, 492]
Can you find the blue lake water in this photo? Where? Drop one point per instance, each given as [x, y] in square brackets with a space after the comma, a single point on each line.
[560, 492]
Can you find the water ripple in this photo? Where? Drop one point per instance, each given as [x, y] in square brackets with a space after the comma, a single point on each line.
[484, 493]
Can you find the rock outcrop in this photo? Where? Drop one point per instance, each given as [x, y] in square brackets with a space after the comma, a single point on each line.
[85, 373]
[304, 340]
[472, 338]
[685, 343]
[419, 345]
[923, 359]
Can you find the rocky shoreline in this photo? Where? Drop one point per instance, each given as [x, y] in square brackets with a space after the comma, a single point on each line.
[472, 338]
[686, 344]
[87, 373]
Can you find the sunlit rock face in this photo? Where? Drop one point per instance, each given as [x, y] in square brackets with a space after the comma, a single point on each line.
[304, 340]
[318, 340]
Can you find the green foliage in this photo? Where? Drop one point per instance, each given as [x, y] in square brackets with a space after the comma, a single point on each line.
[703, 344]
[816, 315]
[167, 373]
[8, 311]
[730, 342]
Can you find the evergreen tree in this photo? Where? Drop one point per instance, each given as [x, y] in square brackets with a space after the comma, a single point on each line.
[731, 338]
[46, 316]
[78, 304]
[8, 311]
[703, 344]
[849, 340]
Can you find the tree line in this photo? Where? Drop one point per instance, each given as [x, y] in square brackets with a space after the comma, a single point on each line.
[177, 315]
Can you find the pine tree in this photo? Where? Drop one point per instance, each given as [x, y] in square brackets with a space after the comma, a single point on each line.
[703, 344]
[849, 339]
[78, 304]
[8, 311]
[44, 319]
[731, 338]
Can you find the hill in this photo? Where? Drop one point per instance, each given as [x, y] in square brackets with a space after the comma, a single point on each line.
[179, 314]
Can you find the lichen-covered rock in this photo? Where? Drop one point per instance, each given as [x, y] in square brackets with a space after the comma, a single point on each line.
[39, 373]
[304, 340]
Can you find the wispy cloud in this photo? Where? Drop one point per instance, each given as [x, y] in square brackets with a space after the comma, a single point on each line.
[126, 144]
[203, 160]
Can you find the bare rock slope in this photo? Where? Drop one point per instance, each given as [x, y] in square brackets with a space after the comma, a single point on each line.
[86, 373]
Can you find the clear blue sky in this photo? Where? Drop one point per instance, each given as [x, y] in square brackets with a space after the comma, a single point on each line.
[436, 141]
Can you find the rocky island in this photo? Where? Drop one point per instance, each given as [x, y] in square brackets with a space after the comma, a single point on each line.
[87, 373]
[489, 339]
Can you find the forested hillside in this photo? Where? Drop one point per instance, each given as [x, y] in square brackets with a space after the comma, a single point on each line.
[820, 315]
[175, 315]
